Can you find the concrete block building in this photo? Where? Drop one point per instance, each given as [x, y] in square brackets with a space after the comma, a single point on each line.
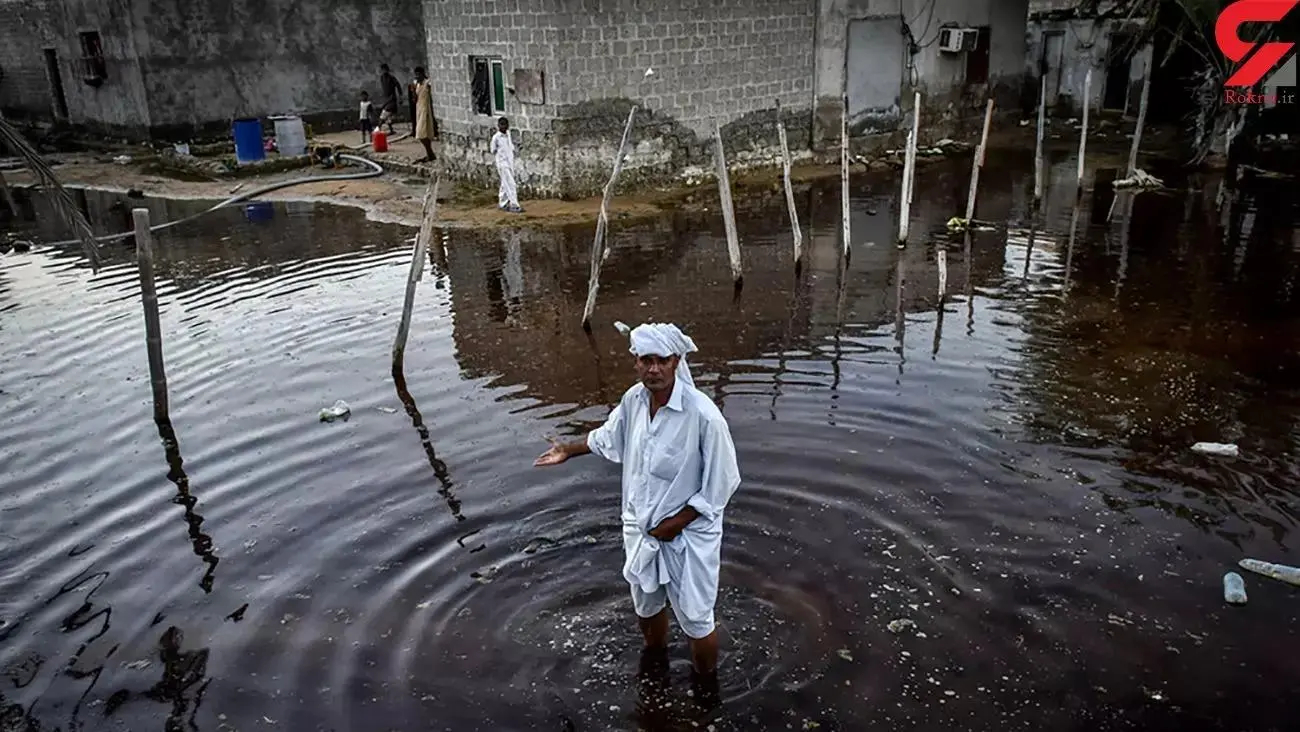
[167, 69]
[567, 72]
[1062, 45]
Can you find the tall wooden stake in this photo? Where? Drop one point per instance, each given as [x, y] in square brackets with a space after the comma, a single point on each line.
[845, 221]
[1038, 150]
[152, 326]
[1083, 133]
[1142, 114]
[428, 215]
[796, 231]
[977, 164]
[942, 256]
[598, 249]
[909, 170]
[728, 208]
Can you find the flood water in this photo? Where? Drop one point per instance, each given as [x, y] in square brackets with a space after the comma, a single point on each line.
[1008, 468]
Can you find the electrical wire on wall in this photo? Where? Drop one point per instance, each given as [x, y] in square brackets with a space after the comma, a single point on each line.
[914, 46]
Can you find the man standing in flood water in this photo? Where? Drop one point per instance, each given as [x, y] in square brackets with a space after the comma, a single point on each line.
[679, 472]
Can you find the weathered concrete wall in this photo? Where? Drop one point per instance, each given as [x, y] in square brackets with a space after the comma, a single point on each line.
[28, 27]
[1083, 44]
[728, 62]
[947, 98]
[205, 64]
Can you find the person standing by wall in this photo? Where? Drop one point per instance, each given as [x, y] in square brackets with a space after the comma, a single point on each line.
[426, 128]
[503, 149]
[389, 88]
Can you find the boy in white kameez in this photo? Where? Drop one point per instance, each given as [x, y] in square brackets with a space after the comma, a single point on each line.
[503, 149]
[679, 472]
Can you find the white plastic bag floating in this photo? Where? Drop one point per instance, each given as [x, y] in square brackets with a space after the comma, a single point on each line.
[340, 410]
[1234, 589]
[1218, 449]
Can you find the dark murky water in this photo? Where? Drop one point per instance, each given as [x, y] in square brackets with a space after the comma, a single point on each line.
[1009, 469]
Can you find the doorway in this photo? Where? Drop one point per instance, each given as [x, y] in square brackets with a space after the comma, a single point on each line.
[59, 99]
[1118, 61]
[874, 70]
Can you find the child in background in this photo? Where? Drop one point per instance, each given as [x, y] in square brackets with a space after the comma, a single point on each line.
[367, 121]
[503, 149]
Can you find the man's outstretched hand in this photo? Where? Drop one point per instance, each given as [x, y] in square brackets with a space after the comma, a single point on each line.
[554, 456]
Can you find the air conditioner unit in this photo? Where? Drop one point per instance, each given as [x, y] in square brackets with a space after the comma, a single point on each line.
[950, 40]
[970, 39]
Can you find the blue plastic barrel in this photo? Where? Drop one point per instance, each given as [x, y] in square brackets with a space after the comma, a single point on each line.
[248, 141]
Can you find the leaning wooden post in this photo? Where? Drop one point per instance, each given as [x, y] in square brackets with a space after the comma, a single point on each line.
[1083, 134]
[942, 256]
[909, 170]
[149, 298]
[728, 208]
[598, 249]
[846, 228]
[1038, 149]
[1142, 114]
[428, 214]
[789, 189]
[978, 163]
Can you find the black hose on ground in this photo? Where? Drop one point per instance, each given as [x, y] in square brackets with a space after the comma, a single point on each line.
[375, 170]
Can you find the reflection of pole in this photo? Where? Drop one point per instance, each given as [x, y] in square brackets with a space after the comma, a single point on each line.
[430, 212]
[201, 542]
[970, 289]
[149, 298]
[1123, 243]
[1069, 247]
[900, 322]
[417, 421]
[1029, 250]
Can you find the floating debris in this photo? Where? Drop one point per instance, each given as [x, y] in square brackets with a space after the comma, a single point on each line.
[1279, 572]
[901, 624]
[1140, 179]
[844, 654]
[340, 410]
[1218, 449]
[1234, 589]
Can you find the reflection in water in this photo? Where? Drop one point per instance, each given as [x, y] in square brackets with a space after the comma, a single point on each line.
[200, 541]
[1028, 486]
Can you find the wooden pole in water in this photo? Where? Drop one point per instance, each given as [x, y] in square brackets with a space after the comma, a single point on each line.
[1083, 134]
[728, 208]
[1142, 114]
[428, 214]
[942, 256]
[978, 163]
[909, 170]
[152, 326]
[845, 221]
[1038, 150]
[795, 230]
[8, 195]
[598, 249]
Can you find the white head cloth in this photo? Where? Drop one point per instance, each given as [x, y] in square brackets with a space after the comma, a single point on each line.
[664, 339]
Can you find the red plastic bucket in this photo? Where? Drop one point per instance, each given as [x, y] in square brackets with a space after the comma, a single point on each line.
[379, 141]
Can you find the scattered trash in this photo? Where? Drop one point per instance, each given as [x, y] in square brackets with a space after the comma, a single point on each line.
[387, 410]
[340, 410]
[1140, 179]
[1279, 572]
[1234, 589]
[649, 72]
[182, 148]
[898, 626]
[22, 246]
[957, 223]
[1216, 448]
[122, 159]
[844, 654]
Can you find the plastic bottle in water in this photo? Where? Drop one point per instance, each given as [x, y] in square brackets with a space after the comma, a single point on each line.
[1234, 589]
